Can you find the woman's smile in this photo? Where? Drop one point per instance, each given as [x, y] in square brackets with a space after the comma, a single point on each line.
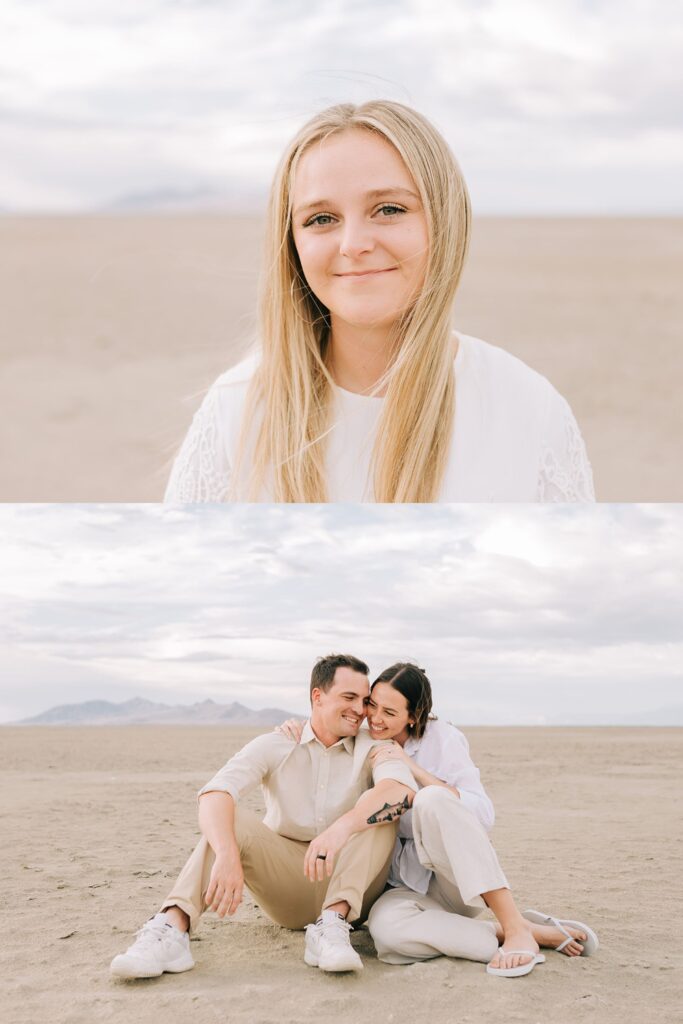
[357, 274]
[377, 730]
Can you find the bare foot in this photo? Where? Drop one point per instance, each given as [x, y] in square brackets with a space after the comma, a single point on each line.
[549, 935]
[521, 937]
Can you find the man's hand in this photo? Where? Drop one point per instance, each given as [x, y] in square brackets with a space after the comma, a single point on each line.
[226, 884]
[322, 851]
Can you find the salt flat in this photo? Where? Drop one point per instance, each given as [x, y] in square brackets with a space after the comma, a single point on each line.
[98, 821]
[113, 328]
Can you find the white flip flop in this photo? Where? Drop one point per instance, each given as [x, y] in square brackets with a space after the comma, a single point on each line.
[590, 944]
[516, 972]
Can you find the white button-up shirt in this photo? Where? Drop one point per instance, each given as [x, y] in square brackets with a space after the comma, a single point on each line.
[443, 751]
[306, 785]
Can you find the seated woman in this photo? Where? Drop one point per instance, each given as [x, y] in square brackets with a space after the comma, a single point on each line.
[360, 389]
[445, 871]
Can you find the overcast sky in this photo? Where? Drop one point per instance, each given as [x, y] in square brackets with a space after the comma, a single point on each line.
[518, 614]
[566, 107]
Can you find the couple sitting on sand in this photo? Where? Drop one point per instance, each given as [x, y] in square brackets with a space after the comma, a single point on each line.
[386, 823]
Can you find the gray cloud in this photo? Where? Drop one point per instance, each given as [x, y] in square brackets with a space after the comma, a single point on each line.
[228, 602]
[191, 96]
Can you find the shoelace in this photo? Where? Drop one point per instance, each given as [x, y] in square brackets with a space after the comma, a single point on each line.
[150, 933]
[336, 931]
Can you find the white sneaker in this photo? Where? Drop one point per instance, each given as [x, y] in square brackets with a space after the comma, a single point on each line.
[328, 945]
[159, 947]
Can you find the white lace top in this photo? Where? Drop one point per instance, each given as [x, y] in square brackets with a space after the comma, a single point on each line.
[514, 438]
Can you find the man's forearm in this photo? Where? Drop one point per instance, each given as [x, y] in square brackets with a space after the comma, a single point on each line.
[217, 820]
[382, 804]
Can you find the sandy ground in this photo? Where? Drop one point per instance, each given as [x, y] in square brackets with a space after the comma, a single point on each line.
[113, 327]
[97, 823]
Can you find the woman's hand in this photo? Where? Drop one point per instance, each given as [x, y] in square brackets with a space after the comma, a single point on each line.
[226, 884]
[321, 853]
[292, 729]
[390, 751]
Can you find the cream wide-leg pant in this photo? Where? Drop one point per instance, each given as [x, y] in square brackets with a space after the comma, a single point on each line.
[407, 926]
[274, 873]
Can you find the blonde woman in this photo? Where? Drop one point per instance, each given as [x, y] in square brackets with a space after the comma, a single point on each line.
[360, 390]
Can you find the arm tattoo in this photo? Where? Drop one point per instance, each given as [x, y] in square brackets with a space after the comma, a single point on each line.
[389, 812]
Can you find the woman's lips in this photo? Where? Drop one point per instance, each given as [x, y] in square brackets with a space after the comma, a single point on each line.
[367, 273]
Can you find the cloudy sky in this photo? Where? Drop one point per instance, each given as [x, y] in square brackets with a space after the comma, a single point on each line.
[566, 107]
[518, 614]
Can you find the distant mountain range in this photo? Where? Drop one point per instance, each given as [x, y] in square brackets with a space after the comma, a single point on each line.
[146, 712]
[207, 712]
[200, 198]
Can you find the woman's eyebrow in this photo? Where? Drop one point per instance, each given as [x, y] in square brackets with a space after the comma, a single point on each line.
[373, 194]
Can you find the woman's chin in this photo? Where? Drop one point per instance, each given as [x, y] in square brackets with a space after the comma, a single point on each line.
[367, 319]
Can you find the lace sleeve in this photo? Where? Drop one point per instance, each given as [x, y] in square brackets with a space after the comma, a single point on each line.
[201, 471]
[564, 471]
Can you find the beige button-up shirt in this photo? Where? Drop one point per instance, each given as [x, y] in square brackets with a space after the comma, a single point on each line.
[306, 785]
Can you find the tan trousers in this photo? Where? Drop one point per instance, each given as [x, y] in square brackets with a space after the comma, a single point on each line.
[407, 926]
[274, 873]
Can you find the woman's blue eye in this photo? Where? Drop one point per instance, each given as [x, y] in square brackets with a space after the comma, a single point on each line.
[318, 217]
[323, 219]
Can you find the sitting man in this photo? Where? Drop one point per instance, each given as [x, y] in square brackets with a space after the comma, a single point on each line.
[322, 853]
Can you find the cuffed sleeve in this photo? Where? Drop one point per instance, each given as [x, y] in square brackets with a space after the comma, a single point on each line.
[396, 770]
[250, 766]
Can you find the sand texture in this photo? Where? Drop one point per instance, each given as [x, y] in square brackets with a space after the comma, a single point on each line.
[97, 822]
[113, 328]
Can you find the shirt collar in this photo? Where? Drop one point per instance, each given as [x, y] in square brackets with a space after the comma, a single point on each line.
[308, 736]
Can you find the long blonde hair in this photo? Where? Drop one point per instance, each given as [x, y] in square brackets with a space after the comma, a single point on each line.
[291, 390]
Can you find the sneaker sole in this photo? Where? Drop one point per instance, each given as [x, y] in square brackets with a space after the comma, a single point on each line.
[129, 972]
[312, 960]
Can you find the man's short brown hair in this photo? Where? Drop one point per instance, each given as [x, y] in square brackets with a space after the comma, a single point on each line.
[324, 669]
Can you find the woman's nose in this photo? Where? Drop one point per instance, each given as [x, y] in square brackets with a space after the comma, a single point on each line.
[356, 239]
